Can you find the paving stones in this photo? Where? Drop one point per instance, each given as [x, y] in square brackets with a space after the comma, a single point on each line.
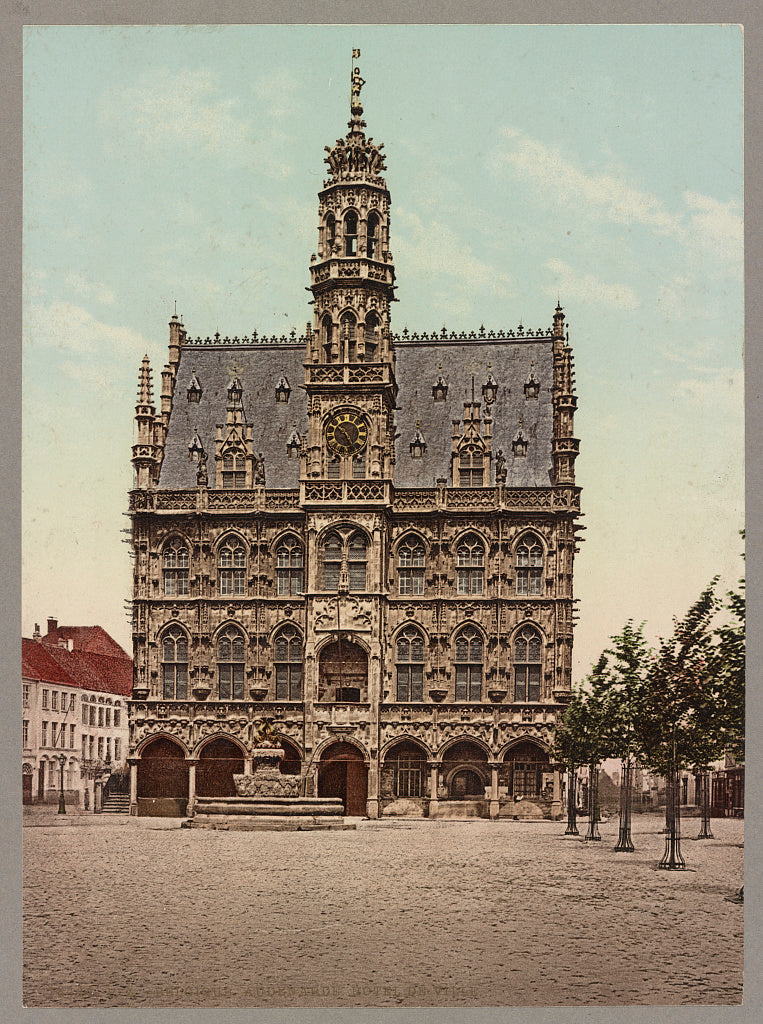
[399, 913]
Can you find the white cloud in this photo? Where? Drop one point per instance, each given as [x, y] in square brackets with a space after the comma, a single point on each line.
[71, 328]
[549, 171]
[718, 227]
[587, 288]
[79, 284]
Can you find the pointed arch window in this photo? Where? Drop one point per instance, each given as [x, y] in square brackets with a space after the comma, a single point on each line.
[327, 327]
[332, 561]
[231, 652]
[289, 568]
[371, 332]
[471, 467]
[470, 556]
[469, 654]
[175, 569]
[372, 236]
[359, 466]
[529, 566]
[356, 562]
[351, 234]
[232, 569]
[410, 665]
[349, 341]
[287, 658]
[527, 664]
[234, 470]
[174, 664]
[410, 567]
[330, 235]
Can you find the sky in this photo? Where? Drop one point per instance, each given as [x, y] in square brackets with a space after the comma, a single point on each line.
[597, 165]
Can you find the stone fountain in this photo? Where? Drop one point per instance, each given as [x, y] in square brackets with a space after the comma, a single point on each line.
[268, 799]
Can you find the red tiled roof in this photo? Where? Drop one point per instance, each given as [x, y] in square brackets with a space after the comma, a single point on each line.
[92, 639]
[85, 669]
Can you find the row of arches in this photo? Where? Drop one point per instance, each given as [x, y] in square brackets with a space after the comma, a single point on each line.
[463, 769]
[352, 235]
[350, 340]
[343, 664]
[349, 549]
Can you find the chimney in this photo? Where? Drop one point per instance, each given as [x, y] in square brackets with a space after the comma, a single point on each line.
[37, 634]
[52, 625]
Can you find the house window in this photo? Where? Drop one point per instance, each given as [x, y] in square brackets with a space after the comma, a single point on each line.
[230, 665]
[175, 565]
[72, 702]
[174, 664]
[117, 750]
[289, 569]
[529, 566]
[410, 665]
[471, 468]
[93, 714]
[351, 234]
[287, 658]
[469, 664]
[108, 748]
[527, 665]
[92, 748]
[84, 748]
[356, 559]
[234, 471]
[54, 700]
[108, 718]
[71, 735]
[117, 717]
[232, 564]
[45, 700]
[25, 733]
[44, 734]
[470, 557]
[100, 718]
[100, 748]
[332, 561]
[25, 694]
[410, 567]
[85, 710]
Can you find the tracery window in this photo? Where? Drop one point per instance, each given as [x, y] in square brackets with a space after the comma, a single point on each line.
[330, 235]
[529, 566]
[359, 466]
[527, 664]
[356, 562]
[351, 234]
[351, 552]
[410, 567]
[234, 470]
[372, 236]
[471, 468]
[333, 467]
[332, 561]
[231, 652]
[231, 563]
[469, 653]
[288, 664]
[175, 569]
[289, 568]
[409, 765]
[410, 665]
[174, 665]
[470, 557]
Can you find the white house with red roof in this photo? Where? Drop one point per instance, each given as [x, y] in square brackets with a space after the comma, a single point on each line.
[75, 685]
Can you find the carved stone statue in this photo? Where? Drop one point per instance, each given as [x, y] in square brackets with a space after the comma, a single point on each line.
[357, 84]
[202, 478]
[500, 467]
[259, 471]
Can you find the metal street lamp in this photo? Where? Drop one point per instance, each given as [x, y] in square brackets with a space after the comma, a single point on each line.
[61, 801]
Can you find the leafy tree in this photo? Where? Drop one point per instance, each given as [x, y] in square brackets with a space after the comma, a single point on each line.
[728, 669]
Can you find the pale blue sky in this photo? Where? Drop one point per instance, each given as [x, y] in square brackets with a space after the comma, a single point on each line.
[602, 164]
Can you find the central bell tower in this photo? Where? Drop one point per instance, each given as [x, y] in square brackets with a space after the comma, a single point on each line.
[350, 368]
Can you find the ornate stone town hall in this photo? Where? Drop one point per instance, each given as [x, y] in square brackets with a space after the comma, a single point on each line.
[362, 538]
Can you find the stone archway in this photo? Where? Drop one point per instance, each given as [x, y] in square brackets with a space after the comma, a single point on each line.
[343, 672]
[465, 771]
[219, 760]
[162, 778]
[526, 765]
[291, 764]
[343, 773]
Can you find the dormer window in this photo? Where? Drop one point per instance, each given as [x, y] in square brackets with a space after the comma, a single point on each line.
[235, 391]
[194, 390]
[532, 386]
[195, 447]
[439, 389]
[418, 445]
[519, 445]
[293, 444]
[282, 389]
[490, 389]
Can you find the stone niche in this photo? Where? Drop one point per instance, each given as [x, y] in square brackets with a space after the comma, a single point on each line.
[266, 778]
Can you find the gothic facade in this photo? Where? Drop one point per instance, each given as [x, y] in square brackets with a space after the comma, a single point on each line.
[364, 537]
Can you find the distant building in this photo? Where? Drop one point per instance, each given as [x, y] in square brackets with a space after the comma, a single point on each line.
[75, 684]
[366, 537]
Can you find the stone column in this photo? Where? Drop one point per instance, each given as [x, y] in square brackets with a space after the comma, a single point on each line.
[433, 802]
[556, 804]
[191, 805]
[494, 803]
[98, 797]
[372, 803]
[133, 763]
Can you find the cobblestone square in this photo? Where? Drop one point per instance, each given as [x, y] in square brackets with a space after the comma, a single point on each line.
[137, 912]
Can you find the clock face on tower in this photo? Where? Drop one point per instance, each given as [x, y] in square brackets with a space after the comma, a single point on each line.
[346, 432]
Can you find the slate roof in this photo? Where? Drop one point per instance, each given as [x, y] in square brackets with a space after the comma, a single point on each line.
[418, 362]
